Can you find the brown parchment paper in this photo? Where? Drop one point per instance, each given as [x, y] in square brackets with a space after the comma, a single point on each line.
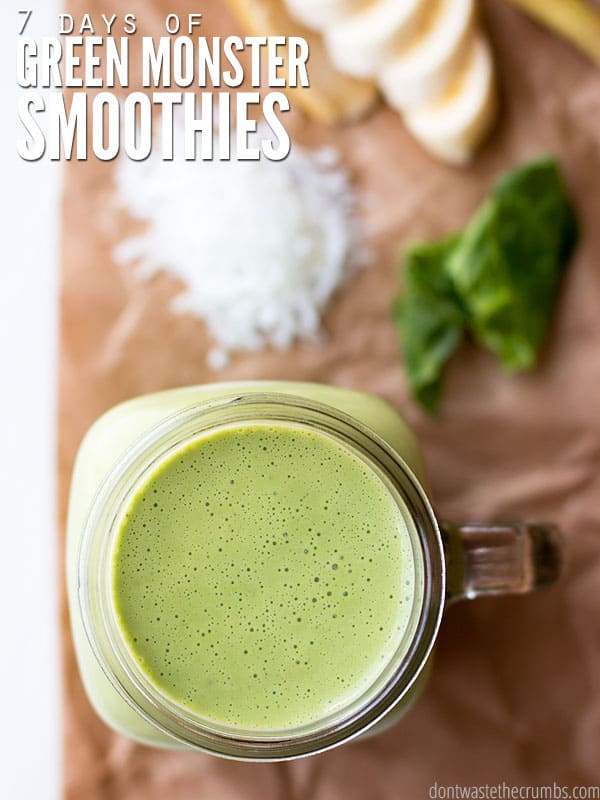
[515, 690]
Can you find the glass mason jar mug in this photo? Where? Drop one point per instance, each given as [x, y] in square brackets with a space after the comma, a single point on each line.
[131, 443]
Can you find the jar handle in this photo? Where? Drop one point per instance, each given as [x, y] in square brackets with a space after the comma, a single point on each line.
[499, 559]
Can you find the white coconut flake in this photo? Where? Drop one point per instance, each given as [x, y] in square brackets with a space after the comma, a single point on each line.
[260, 246]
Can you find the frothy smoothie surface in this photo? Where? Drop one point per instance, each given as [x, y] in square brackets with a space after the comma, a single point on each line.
[263, 576]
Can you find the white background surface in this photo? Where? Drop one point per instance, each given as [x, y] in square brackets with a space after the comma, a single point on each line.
[30, 738]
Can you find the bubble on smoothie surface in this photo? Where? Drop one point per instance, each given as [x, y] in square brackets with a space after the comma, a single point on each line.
[259, 576]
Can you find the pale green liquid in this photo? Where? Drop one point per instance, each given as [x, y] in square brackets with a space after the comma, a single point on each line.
[263, 577]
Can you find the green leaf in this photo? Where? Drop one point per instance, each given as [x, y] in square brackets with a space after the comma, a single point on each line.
[499, 279]
[429, 318]
[510, 260]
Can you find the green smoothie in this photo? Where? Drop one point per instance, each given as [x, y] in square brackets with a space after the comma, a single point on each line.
[262, 576]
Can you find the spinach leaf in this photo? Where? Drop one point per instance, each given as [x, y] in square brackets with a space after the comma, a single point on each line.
[497, 279]
[510, 260]
[429, 317]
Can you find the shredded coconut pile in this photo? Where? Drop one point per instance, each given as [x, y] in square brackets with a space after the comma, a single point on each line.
[261, 246]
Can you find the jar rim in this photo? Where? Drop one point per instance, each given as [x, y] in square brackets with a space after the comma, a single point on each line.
[119, 664]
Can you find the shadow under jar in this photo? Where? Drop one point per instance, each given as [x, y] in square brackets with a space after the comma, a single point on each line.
[255, 571]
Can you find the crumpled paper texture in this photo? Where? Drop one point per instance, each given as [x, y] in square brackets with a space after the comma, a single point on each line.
[515, 690]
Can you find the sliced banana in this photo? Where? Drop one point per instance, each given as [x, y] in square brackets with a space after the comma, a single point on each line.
[453, 125]
[332, 97]
[425, 69]
[428, 57]
[360, 42]
[319, 14]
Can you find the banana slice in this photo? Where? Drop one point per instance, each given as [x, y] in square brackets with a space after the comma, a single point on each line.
[360, 42]
[332, 97]
[319, 14]
[453, 125]
[426, 68]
